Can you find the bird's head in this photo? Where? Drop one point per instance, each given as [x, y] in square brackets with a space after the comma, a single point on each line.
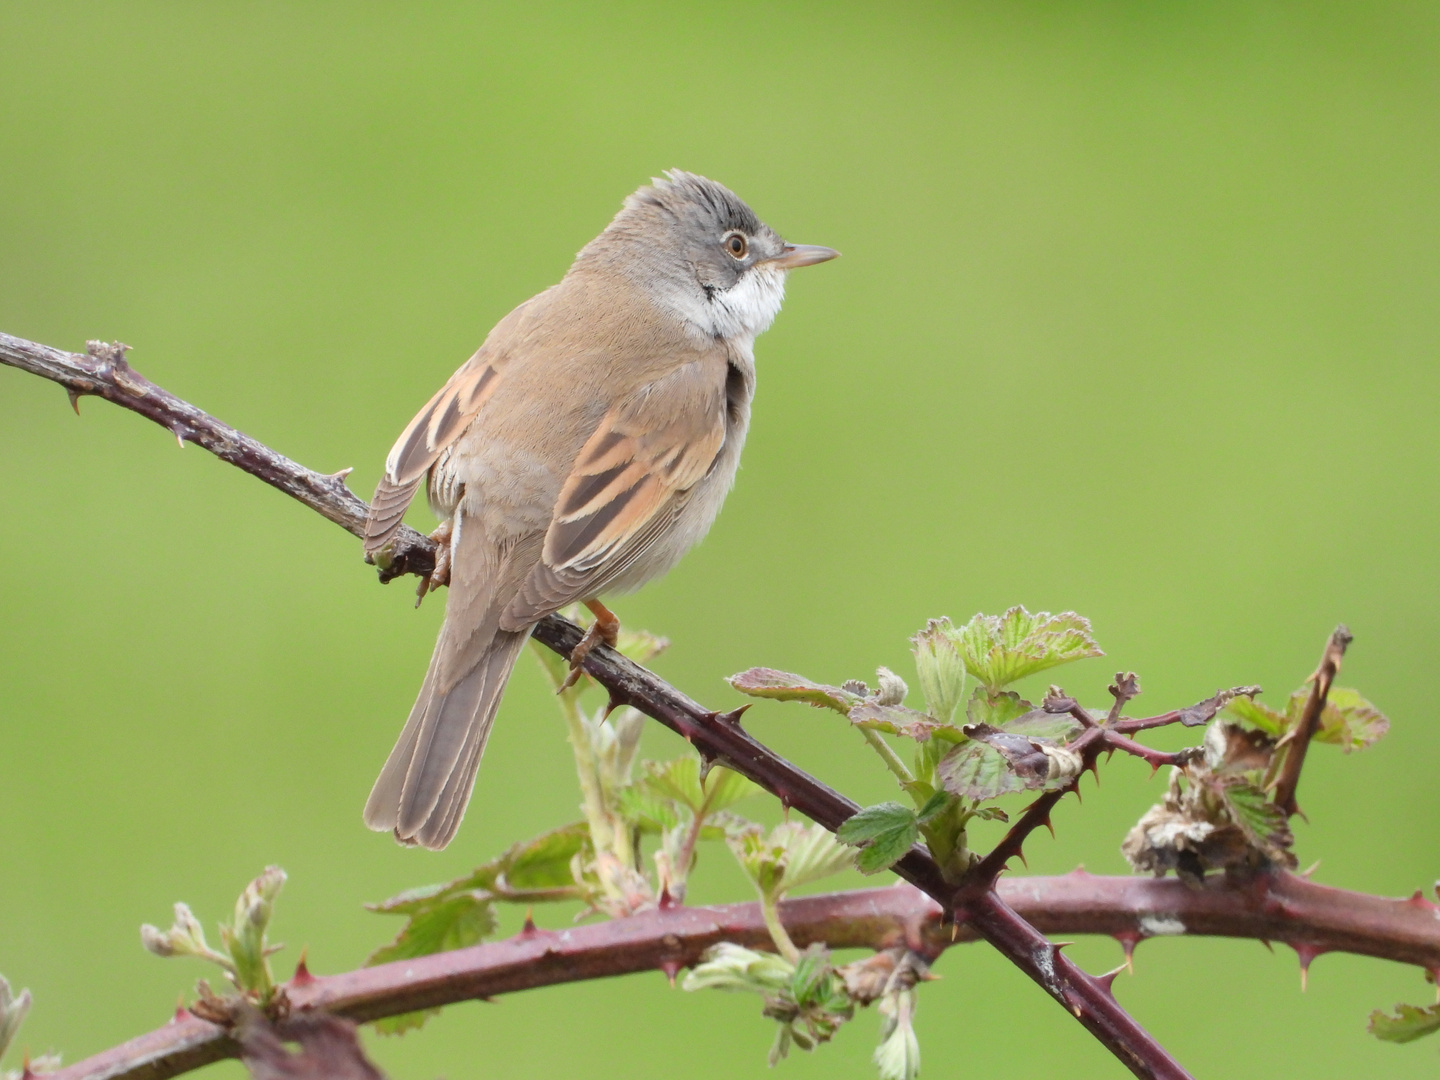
[703, 253]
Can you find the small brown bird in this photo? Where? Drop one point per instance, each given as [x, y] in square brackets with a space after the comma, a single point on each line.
[581, 451]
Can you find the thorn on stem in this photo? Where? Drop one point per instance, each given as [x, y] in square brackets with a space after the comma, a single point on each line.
[529, 930]
[1049, 825]
[302, 976]
[74, 396]
[1107, 981]
[671, 968]
[1306, 953]
[1128, 940]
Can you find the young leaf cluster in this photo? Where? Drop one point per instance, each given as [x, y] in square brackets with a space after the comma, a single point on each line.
[1219, 812]
[244, 953]
[1004, 744]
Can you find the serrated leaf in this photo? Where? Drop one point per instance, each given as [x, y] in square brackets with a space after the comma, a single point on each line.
[1265, 824]
[935, 805]
[536, 860]
[728, 966]
[873, 822]
[1350, 721]
[941, 669]
[1010, 712]
[399, 1025]
[1253, 714]
[1004, 753]
[544, 863]
[1409, 1023]
[884, 833]
[791, 855]
[783, 686]
[644, 810]
[811, 982]
[996, 709]
[998, 762]
[455, 923]
[898, 720]
[678, 781]
[975, 770]
[998, 650]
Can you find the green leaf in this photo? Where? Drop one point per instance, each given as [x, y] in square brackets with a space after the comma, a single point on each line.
[678, 781]
[455, 923]
[728, 966]
[884, 834]
[811, 982]
[544, 863]
[1409, 1023]
[1022, 755]
[1265, 824]
[790, 856]
[1001, 649]
[991, 813]
[941, 668]
[782, 686]
[643, 809]
[537, 866]
[934, 806]
[1010, 712]
[995, 709]
[898, 720]
[403, 1022]
[1350, 721]
[1252, 714]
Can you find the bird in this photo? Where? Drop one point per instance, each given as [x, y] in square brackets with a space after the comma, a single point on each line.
[582, 450]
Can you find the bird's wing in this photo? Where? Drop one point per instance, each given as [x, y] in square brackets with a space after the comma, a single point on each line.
[629, 481]
[432, 431]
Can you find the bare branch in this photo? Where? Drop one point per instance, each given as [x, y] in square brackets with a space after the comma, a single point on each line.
[1276, 907]
[103, 372]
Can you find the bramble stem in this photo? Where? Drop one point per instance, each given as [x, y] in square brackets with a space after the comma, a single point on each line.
[888, 755]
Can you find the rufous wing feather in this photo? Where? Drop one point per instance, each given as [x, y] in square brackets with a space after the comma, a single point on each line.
[422, 442]
[634, 472]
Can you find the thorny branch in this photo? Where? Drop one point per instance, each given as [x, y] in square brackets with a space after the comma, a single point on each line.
[104, 372]
[1311, 918]
[1299, 738]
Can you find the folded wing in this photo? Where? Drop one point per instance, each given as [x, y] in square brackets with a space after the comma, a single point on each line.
[629, 481]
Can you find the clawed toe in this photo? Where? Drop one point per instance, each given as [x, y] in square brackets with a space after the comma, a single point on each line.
[605, 628]
[441, 574]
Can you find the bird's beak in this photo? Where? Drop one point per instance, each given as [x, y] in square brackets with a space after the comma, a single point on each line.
[797, 255]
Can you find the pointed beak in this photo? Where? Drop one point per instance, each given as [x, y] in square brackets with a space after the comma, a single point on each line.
[797, 255]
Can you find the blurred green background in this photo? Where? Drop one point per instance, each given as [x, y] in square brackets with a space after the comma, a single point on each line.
[1136, 317]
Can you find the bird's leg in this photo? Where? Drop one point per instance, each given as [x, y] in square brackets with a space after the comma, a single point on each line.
[606, 628]
[441, 574]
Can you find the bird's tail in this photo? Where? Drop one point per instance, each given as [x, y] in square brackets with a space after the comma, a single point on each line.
[425, 786]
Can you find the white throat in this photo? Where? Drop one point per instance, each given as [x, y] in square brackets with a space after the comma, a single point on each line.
[743, 311]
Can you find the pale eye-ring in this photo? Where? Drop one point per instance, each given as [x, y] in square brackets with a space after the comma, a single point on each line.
[737, 245]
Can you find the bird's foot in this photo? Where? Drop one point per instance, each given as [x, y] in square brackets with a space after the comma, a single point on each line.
[441, 574]
[605, 628]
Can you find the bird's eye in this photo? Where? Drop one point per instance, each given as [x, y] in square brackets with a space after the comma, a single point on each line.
[735, 244]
